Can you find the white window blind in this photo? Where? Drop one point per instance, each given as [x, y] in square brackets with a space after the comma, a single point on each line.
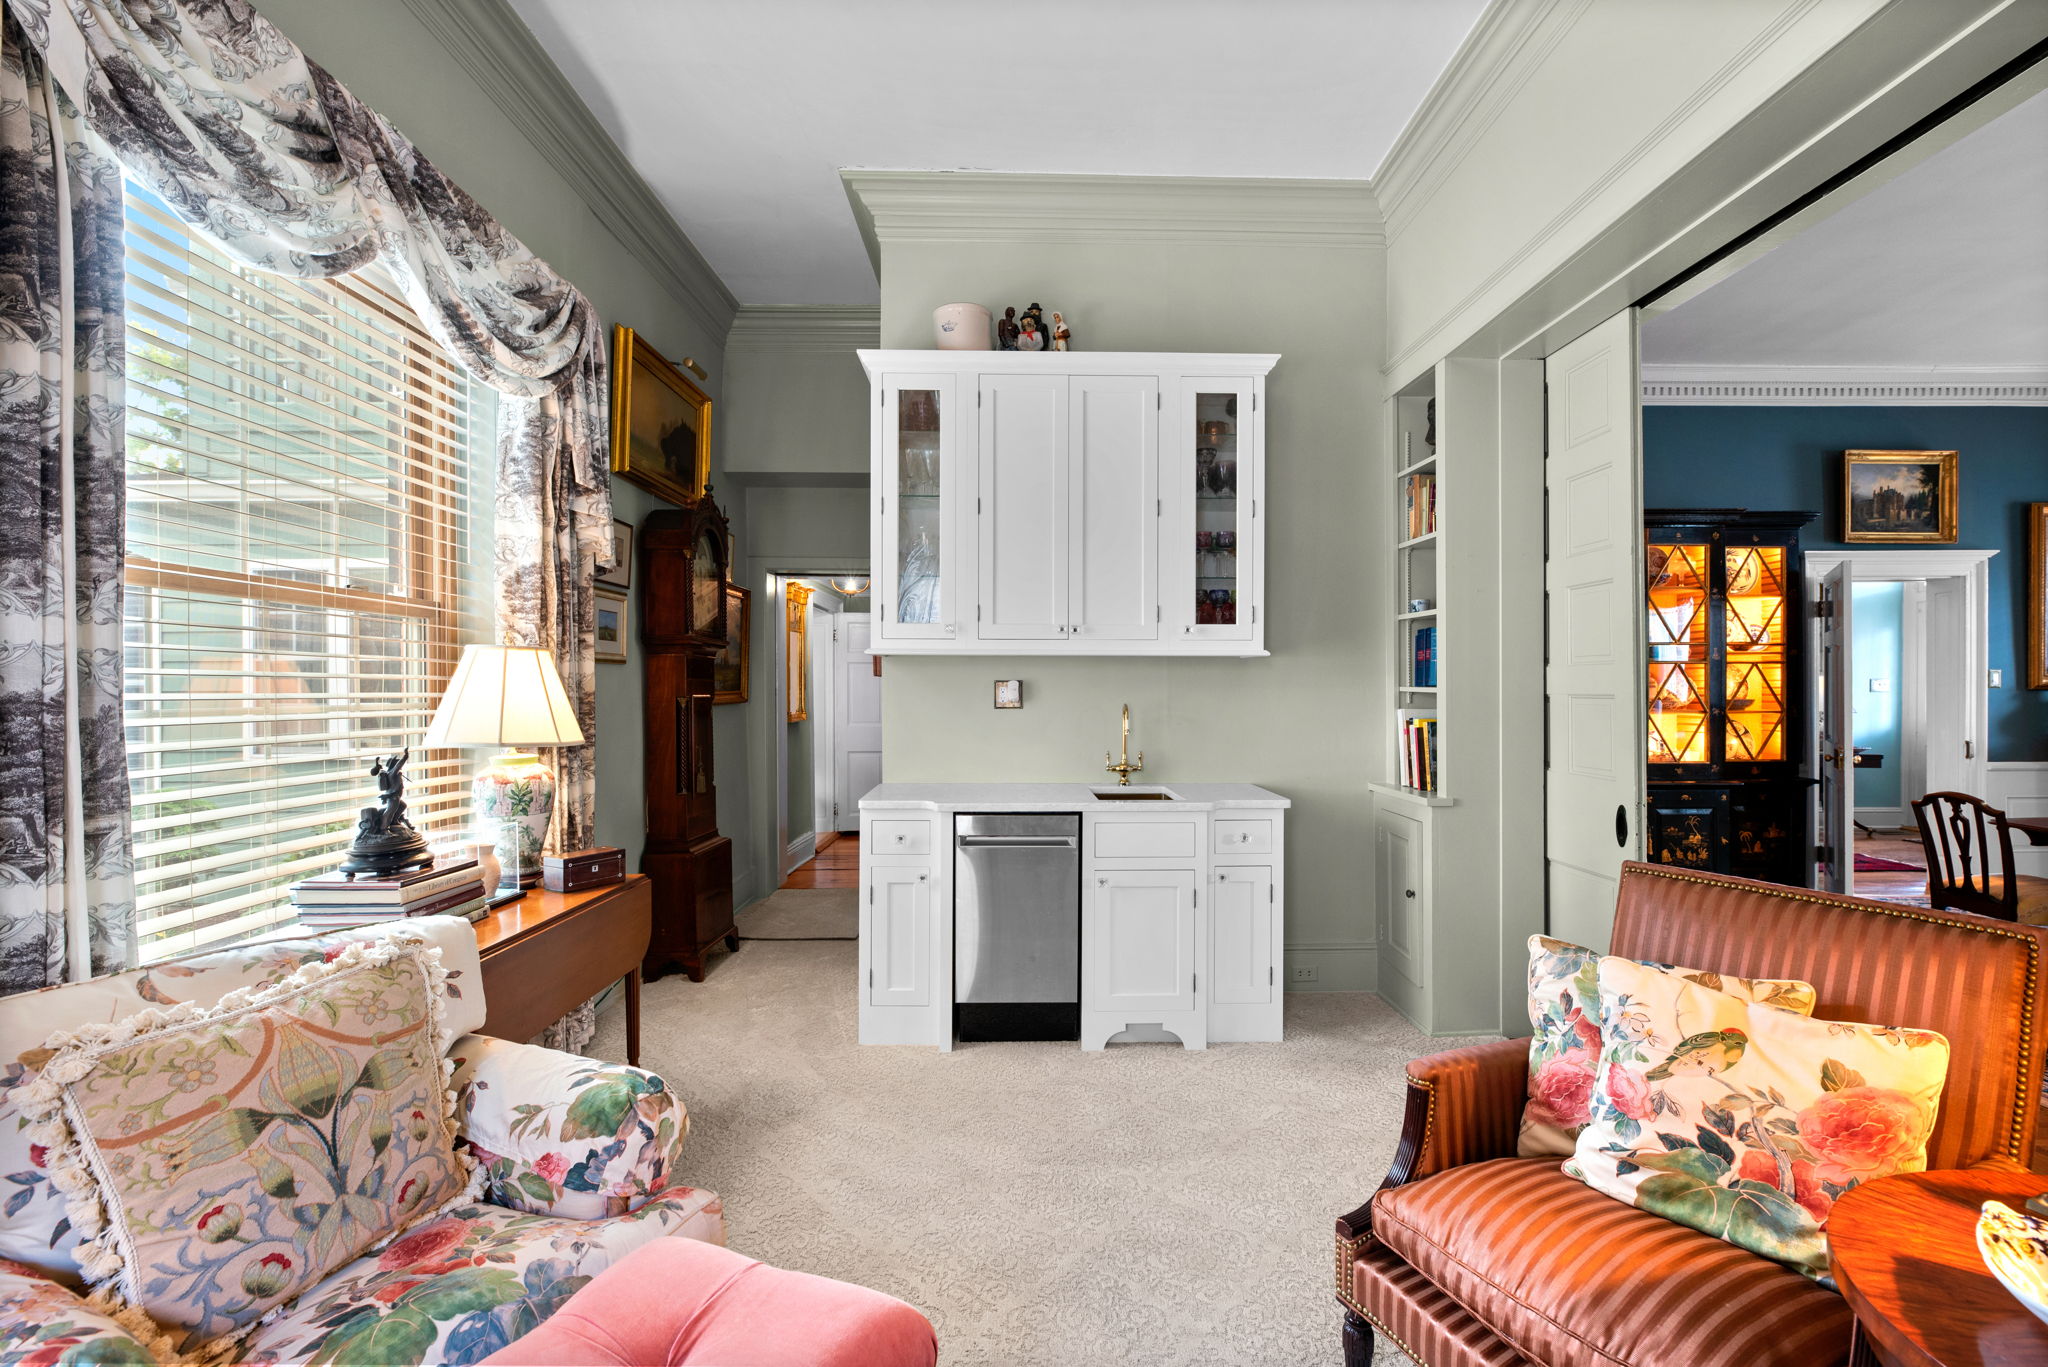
[300, 574]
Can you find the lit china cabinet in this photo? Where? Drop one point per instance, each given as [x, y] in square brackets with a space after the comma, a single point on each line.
[1090, 503]
[1727, 707]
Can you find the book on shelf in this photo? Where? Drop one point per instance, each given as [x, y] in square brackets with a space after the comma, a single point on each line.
[1418, 503]
[1424, 675]
[339, 891]
[1416, 730]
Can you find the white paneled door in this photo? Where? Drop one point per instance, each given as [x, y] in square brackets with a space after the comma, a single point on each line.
[857, 718]
[1022, 507]
[1834, 862]
[1113, 508]
[1593, 578]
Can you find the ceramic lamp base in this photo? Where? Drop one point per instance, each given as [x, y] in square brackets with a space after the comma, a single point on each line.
[511, 802]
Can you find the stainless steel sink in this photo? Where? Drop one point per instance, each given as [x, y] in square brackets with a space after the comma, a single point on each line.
[1133, 795]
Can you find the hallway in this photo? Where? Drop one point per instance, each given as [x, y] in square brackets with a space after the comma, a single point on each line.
[836, 865]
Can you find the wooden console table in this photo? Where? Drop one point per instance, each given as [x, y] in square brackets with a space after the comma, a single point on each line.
[549, 952]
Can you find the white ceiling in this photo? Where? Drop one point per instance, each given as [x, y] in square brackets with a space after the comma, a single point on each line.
[741, 115]
[1946, 265]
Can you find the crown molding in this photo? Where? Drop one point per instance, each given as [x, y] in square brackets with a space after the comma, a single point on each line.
[1844, 386]
[805, 327]
[981, 206]
[490, 42]
[1505, 48]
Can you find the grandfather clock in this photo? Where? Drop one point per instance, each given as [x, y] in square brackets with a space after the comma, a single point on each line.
[682, 629]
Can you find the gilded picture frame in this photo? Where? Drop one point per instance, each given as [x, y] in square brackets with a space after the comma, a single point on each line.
[1899, 497]
[661, 422]
[2037, 595]
[797, 635]
[731, 668]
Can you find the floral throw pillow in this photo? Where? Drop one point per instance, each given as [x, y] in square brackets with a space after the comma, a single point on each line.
[1746, 1122]
[220, 1160]
[1564, 1012]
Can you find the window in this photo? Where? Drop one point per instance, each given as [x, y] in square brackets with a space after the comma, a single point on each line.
[299, 575]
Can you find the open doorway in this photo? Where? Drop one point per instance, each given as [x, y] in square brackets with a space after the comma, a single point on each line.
[829, 732]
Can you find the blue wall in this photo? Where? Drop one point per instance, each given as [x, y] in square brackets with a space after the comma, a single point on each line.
[1877, 652]
[1773, 458]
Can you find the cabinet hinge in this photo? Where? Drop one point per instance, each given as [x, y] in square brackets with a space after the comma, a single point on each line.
[835, 811]
[871, 894]
[1194, 982]
[1969, 749]
[1269, 886]
[1824, 608]
[1159, 507]
[881, 399]
[1158, 612]
[977, 398]
[1255, 617]
[977, 612]
[1255, 403]
[1269, 975]
[1822, 854]
[1158, 401]
[977, 507]
[871, 980]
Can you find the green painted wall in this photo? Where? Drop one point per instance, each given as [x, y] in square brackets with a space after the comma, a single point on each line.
[1298, 722]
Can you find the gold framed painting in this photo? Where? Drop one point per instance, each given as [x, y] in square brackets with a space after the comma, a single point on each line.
[797, 638]
[2037, 595]
[661, 422]
[613, 626]
[1899, 497]
[731, 667]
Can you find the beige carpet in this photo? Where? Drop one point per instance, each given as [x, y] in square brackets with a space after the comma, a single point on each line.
[1144, 1206]
[803, 914]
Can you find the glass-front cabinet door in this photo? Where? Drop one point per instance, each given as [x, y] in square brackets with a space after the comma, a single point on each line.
[1679, 575]
[1753, 622]
[918, 486]
[1217, 465]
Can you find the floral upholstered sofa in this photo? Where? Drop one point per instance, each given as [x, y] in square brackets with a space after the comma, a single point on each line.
[578, 1164]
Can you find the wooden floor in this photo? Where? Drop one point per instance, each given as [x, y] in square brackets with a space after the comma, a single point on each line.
[1893, 886]
[837, 865]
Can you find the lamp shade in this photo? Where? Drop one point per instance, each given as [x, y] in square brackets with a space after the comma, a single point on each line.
[504, 695]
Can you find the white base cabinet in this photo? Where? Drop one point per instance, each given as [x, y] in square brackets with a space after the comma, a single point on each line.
[1099, 503]
[1182, 915]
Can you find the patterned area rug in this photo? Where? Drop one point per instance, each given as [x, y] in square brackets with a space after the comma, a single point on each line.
[1144, 1206]
[803, 914]
[1871, 863]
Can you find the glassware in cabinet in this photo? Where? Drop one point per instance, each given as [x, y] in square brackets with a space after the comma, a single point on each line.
[1223, 546]
[917, 526]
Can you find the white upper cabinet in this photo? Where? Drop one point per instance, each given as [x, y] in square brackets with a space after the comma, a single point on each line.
[1095, 503]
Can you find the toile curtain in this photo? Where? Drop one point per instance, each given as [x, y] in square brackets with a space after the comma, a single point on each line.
[224, 118]
[67, 890]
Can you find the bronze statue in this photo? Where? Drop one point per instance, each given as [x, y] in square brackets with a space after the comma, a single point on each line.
[386, 843]
[1006, 330]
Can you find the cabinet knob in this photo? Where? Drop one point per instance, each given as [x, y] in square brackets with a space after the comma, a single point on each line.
[1102, 882]
[1410, 893]
[921, 877]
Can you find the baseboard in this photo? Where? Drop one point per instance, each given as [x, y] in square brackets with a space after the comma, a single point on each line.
[743, 895]
[1884, 818]
[1337, 968]
[2020, 788]
[801, 851]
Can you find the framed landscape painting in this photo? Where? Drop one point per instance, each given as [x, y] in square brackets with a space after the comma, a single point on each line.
[612, 613]
[1899, 497]
[731, 668]
[661, 423]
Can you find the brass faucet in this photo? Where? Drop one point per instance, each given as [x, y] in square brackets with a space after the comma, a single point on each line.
[1123, 768]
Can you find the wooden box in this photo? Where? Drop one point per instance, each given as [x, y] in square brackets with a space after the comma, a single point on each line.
[578, 869]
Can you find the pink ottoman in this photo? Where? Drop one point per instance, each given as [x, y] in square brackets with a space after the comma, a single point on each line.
[683, 1301]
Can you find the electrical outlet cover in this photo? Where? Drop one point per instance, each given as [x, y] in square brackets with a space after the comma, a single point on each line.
[1302, 973]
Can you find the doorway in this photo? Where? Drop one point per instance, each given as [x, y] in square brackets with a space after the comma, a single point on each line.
[828, 727]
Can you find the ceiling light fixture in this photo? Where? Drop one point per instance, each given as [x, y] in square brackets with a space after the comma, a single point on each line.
[851, 585]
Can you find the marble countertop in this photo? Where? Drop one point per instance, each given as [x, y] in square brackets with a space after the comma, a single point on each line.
[1063, 797]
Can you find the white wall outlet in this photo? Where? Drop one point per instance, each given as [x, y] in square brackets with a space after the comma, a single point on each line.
[1997, 679]
[1880, 685]
[1302, 973]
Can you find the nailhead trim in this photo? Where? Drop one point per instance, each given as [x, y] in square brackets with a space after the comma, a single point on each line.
[2022, 1100]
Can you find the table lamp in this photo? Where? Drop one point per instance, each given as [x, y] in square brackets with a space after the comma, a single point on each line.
[510, 696]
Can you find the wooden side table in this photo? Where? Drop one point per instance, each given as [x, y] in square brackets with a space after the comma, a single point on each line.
[549, 952]
[1904, 1253]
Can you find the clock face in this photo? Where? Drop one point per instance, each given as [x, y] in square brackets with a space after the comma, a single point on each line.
[707, 586]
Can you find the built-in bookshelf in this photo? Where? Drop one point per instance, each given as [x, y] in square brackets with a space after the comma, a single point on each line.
[1418, 731]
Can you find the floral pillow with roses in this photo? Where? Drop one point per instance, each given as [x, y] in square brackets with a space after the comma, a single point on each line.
[1564, 1014]
[1744, 1121]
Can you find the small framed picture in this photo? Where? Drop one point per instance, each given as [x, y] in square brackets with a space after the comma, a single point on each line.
[612, 627]
[621, 572]
[1009, 693]
[1899, 497]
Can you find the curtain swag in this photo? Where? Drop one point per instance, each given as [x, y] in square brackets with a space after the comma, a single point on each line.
[222, 116]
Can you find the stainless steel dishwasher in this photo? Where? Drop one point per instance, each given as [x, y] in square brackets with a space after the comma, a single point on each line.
[1017, 926]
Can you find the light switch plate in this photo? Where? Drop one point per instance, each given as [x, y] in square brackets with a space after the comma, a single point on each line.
[1997, 679]
[1009, 693]
[1880, 685]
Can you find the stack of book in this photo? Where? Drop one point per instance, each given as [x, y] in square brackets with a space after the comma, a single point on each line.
[1418, 749]
[1418, 502]
[1425, 658]
[335, 901]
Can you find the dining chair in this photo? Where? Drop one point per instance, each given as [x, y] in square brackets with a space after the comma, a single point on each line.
[1958, 832]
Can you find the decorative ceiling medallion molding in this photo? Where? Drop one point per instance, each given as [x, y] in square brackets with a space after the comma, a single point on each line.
[1505, 48]
[805, 327]
[958, 206]
[1844, 386]
[488, 40]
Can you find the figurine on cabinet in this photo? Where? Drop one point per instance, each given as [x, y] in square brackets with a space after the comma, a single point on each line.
[1006, 330]
[1029, 338]
[1061, 334]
